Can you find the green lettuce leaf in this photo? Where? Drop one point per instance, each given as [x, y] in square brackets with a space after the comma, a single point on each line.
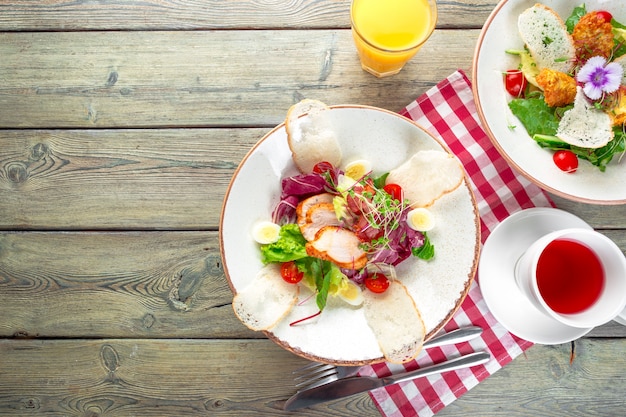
[536, 116]
[289, 247]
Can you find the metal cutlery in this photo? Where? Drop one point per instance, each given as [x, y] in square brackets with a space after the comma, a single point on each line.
[354, 385]
[316, 373]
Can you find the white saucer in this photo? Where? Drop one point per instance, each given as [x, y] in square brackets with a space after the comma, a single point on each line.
[503, 247]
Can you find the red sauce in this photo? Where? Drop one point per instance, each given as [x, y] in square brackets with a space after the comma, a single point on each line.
[570, 276]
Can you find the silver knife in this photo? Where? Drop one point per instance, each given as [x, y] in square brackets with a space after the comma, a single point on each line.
[354, 385]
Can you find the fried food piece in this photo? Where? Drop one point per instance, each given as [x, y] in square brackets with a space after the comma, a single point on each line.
[559, 88]
[593, 36]
[338, 245]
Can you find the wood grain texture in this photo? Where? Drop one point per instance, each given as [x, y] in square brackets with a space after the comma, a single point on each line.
[127, 284]
[209, 14]
[543, 382]
[118, 179]
[148, 179]
[121, 125]
[188, 378]
[152, 285]
[185, 79]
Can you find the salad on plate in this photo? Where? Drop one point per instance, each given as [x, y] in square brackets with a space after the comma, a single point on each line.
[339, 231]
[569, 90]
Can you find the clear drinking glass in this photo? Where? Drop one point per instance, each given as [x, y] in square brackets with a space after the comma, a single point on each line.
[387, 33]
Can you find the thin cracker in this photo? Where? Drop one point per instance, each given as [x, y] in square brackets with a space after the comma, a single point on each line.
[266, 300]
[396, 322]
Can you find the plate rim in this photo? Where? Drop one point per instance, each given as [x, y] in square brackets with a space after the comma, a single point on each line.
[492, 136]
[469, 279]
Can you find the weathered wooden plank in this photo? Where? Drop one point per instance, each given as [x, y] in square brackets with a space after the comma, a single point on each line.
[186, 377]
[131, 284]
[160, 284]
[544, 383]
[141, 179]
[112, 179]
[199, 79]
[210, 14]
[153, 378]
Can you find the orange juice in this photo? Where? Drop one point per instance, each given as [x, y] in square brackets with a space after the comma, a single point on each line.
[387, 33]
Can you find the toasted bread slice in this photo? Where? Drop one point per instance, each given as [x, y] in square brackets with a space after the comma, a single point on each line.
[427, 176]
[310, 135]
[544, 33]
[584, 125]
[396, 322]
[266, 300]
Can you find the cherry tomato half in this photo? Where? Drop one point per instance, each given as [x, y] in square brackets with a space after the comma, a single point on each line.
[377, 283]
[605, 15]
[515, 83]
[566, 160]
[395, 191]
[290, 272]
[323, 167]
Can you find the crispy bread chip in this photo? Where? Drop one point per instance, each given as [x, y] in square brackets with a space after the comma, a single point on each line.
[310, 135]
[584, 125]
[544, 33]
[396, 322]
[427, 176]
[265, 300]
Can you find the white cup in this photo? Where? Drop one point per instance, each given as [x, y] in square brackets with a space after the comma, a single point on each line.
[611, 298]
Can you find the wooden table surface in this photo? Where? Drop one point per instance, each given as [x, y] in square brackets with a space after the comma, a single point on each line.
[121, 124]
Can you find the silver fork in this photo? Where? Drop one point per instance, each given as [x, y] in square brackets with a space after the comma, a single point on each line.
[316, 373]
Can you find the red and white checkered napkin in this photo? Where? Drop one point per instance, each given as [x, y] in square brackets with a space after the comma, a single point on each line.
[448, 112]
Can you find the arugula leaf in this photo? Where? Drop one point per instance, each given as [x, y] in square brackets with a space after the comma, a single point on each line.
[599, 157]
[426, 251]
[322, 275]
[577, 13]
[322, 290]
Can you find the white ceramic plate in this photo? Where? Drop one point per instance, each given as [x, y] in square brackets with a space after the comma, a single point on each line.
[506, 243]
[341, 334]
[499, 33]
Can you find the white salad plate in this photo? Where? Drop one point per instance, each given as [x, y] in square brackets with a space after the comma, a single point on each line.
[504, 246]
[588, 184]
[340, 334]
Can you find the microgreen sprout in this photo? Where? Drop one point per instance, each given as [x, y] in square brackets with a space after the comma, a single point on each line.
[382, 212]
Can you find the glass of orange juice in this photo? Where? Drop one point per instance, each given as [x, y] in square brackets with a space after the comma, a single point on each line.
[387, 33]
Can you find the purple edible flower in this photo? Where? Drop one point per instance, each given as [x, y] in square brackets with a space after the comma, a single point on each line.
[599, 77]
